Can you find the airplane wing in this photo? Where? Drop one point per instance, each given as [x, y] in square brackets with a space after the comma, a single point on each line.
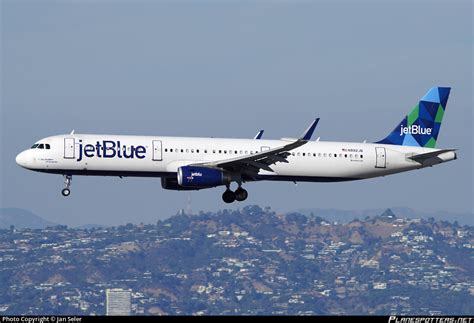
[249, 165]
[421, 158]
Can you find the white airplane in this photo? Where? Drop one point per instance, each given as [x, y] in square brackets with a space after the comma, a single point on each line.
[199, 163]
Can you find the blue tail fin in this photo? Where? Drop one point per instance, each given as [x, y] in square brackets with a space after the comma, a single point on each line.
[421, 126]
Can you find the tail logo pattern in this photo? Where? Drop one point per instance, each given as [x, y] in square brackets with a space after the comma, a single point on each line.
[421, 126]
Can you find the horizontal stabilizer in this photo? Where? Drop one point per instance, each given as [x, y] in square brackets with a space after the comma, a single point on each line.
[422, 158]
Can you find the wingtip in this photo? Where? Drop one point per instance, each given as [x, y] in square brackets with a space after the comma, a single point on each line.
[309, 132]
[259, 134]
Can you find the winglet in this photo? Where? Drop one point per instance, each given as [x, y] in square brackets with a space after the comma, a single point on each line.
[309, 132]
[258, 135]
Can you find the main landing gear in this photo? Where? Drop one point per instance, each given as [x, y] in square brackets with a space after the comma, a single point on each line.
[67, 180]
[240, 195]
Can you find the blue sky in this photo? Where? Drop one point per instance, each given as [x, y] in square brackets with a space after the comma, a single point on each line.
[227, 70]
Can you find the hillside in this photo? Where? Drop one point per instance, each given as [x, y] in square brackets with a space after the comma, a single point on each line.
[252, 261]
[345, 216]
[20, 219]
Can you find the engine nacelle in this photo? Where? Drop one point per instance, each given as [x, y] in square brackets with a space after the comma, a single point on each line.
[202, 177]
[171, 183]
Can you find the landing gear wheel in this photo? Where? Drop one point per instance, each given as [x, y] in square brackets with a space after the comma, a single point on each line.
[66, 192]
[228, 196]
[241, 194]
[67, 180]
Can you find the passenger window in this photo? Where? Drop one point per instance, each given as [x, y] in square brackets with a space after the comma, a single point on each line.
[171, 150]
[166, 150]
[213, 151]
[192, 151]
[304, 154]
[361, 156]
[345, 155]
[246, 152]
[187, 150]
[40, 146]
[235, 152]
[330, 155]
[325, 154]
[314, 154]
[205, 151]
[197, 151]
[182, 150]
[319, 154]
[220, 151]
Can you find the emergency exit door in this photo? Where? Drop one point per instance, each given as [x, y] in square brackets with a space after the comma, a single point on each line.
[157, 154]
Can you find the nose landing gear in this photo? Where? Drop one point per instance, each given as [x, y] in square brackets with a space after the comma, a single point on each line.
[67, 180]
[240, 195]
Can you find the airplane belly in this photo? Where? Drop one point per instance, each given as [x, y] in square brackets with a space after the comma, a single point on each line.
[324, 168]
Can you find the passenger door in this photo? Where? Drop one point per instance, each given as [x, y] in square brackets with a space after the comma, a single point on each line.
[380, 157]
[69, 148]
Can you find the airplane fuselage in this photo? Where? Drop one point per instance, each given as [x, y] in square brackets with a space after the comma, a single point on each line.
[148, 156]
[200, 163]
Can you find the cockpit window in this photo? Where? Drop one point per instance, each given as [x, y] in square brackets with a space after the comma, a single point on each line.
[41, 146]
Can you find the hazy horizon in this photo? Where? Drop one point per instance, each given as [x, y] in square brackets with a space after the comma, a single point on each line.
[462, 218]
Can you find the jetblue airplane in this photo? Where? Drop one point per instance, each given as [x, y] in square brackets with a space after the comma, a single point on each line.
[199, 163]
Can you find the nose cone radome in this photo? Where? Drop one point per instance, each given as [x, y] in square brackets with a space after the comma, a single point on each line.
[22, 159]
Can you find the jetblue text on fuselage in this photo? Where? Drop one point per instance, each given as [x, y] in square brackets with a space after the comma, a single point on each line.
[110, 149]
[414, 130]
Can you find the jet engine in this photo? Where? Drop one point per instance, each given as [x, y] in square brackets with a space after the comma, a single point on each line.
[202, 177]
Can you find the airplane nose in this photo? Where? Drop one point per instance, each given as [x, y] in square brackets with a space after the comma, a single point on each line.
[21, 159]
